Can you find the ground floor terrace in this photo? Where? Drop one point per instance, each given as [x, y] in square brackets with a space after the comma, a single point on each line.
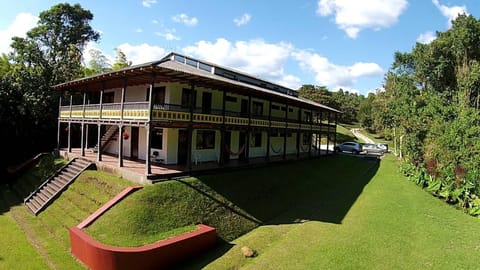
[178, 151]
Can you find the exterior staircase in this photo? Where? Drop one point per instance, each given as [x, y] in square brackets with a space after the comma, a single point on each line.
[55, 184]
[110, 135]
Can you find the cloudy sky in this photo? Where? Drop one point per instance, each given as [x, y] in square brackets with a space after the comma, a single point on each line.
[345, 44]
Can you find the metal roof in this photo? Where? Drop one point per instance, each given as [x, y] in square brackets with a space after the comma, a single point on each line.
[170, 70]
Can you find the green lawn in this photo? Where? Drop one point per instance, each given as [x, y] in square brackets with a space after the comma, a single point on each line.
[392, 225]
[42, 242]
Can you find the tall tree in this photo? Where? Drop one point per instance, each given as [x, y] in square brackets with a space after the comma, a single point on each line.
[121, 60]
[51, 53]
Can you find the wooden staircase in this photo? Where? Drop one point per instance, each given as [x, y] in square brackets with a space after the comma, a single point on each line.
[55, 184]
[110, 135]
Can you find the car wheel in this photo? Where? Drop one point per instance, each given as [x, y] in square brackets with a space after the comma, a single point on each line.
[356, 152]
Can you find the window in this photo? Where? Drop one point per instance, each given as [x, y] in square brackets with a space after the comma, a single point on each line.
[158, 96]
[283, 108]
[157, 138]
[187, 97]
[230, 99]
[256, 140]
[306, 139]
[108, 97]
[290, 109]
[275, 107]
[307, 117]
[257, 108]
[205, 139]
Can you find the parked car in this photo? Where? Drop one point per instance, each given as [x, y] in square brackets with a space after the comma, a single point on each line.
[353, 147]
[375, 148]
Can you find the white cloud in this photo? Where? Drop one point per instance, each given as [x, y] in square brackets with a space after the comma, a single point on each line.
[155, 21]
[451, 13]
[352, 16]
[256, 57]
[138, 30]
[142, 53]
[185, 19]
[243, 20]
[332, 75]
[426, 37]
[22, 23]
[148, 3]
[168, 35]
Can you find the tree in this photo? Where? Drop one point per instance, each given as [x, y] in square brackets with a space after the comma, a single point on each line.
[98, 64]
[121, 60]
[50, 53]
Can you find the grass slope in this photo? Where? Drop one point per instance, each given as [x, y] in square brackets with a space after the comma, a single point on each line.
[392, 225]
[47, 233]
[234, 203]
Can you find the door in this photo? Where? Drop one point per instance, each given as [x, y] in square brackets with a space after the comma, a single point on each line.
[182, 147]
[227, 146]
[134, 143]
[244, 108]
[206, 102]
[242, 146]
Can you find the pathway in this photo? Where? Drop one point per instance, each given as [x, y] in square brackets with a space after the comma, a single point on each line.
[356, 132]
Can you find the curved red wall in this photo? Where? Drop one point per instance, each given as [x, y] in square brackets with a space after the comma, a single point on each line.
[159, 255]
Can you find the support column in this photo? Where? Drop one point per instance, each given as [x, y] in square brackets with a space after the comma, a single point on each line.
[148, 127]
[222, 131]
[249, 129]
[190, 127]
[120, 146]
[320, 133]
[59, 123]
[86, 129]
[69, 137]
[120, 127]
[99, 142]
[328, 131]
[310, 135]
[269, 129]
[335, 134]
[284, 155]
[299, 120]
[82, 139]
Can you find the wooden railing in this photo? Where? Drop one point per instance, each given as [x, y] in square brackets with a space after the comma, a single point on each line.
[179, 113]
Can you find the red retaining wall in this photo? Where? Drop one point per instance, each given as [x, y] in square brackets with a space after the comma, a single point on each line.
[159, 255]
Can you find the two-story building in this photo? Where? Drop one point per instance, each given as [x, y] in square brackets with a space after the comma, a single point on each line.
[184, 111]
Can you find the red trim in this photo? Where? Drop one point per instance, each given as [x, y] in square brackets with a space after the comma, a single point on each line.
[107, 206]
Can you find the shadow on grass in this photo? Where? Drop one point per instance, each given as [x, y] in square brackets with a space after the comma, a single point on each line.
[321, 190]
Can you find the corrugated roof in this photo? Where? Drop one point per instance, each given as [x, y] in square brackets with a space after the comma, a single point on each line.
[170, 70]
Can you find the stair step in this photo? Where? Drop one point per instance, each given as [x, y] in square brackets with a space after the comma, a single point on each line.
[32, 207]
[42, 196]
[77, 165]
[52, 188]
[68, 174]
[35, 203]
[56, 184]
[47, 191]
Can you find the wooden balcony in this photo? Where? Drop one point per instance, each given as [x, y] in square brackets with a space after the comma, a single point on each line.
[139, 111]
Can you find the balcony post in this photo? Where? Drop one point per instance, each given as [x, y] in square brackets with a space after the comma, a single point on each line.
[299, 120]
[86, 129]
[249, 129]
[222, 131]
[122, 102]
[284, 155]
[320, 132]
[148, 165]
[82, 127]
[190, 127]
[328, 131]
[269, 132]
[310, 135]
[71, 100]
[99, 142]
[59, 122]
[101, 100]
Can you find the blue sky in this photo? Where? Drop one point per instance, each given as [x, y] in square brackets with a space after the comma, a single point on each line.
[345, 44]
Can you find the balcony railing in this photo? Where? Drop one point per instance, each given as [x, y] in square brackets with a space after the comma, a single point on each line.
[179, 113]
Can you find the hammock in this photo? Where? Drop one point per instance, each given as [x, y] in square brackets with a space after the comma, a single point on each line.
[233, 153]
[276, 152]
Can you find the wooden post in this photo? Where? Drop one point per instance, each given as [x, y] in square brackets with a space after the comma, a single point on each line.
[298, 130]
[222, 131]
[328, 131]
[249, 129]
[120, 146]
[101, 100]
[59, 122]
[335, 134]
[82, 127]
[284, 156]
[310, 135]
[148, 127]
[86, 129]
[99, 142]
[190, 127]
[69, 136]
[269, 129]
